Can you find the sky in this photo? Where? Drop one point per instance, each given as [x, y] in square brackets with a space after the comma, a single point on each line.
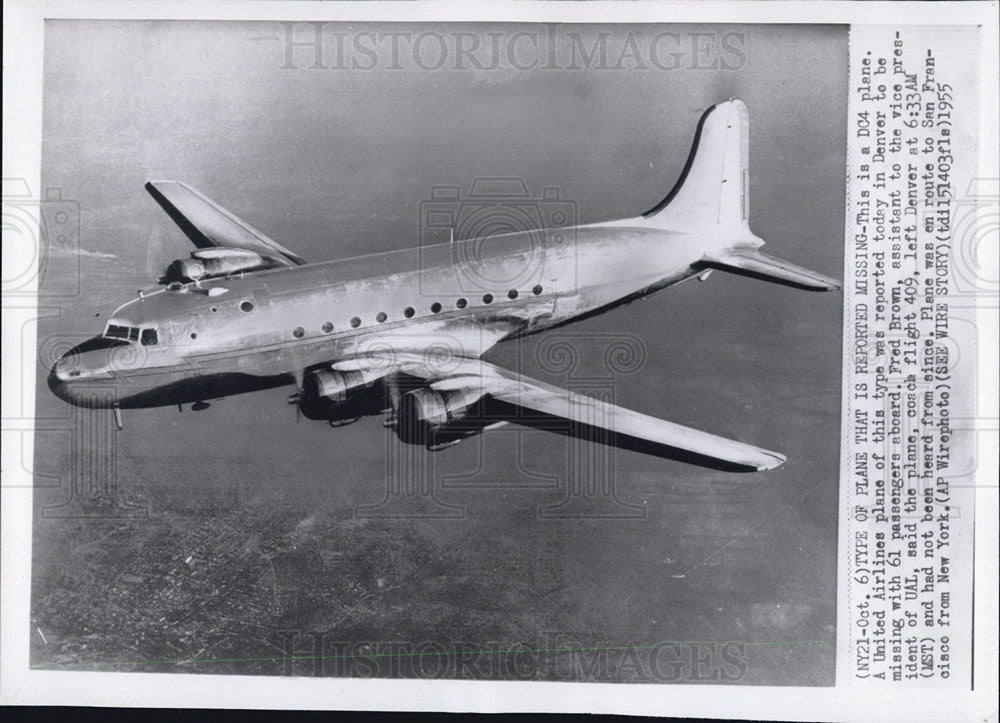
[334, 162]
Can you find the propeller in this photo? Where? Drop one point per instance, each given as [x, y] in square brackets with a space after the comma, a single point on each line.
[300, 390]
[157, 252]
[296, 399]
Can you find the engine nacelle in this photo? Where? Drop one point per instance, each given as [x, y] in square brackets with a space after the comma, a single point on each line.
[214, 262]
[429, 417]
[336, 387]
[338, 396]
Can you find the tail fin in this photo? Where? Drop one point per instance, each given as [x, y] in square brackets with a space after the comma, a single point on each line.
[712, 190]
[712, 197]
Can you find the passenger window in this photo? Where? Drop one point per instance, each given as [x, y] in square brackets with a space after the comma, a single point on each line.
[117, 332]
[149, 337]
[512, 294]
[487, 298]
[435, 307]
[461, 303]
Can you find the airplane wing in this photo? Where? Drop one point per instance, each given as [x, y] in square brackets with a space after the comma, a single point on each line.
[653, 434]
[538, 396]
[207, 224]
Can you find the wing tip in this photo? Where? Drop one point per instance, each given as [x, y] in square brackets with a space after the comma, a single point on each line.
[770, 460]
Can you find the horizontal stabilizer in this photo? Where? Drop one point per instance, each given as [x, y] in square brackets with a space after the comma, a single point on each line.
[751, 262]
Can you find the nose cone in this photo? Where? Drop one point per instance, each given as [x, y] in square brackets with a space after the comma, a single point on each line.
[57, 381]
[81, 377]
[62, 376]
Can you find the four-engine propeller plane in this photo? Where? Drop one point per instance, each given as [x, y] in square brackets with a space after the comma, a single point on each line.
[403, 332]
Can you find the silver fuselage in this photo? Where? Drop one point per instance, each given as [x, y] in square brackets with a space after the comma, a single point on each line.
[247, 332]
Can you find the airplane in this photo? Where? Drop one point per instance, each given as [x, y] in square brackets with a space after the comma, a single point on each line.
[402, 333]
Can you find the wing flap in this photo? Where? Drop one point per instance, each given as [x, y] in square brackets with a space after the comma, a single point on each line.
[207, 224]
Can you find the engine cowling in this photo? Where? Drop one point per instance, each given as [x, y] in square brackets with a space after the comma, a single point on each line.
[338, 397]
[432, 418]
[215, 262]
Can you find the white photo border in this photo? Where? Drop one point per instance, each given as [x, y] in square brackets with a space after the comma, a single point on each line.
[22, 115]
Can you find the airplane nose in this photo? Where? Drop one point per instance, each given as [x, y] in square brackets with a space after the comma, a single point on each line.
[81, 376]
[65, 379]
[57, 383]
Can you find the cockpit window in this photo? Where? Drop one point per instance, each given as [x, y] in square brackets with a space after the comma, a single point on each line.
[147, 337]
[116, 332]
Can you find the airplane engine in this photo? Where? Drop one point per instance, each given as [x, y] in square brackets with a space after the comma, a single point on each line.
[435, 419]
[214, 262]
[338, 397]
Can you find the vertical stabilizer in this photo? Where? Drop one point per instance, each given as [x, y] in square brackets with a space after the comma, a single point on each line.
[712, 191]
[712, 199]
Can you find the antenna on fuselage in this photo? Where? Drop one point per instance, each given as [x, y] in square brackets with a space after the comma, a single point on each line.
[451, 234]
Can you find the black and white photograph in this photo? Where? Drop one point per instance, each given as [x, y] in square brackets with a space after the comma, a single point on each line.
[383, 404]
[486, 351]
